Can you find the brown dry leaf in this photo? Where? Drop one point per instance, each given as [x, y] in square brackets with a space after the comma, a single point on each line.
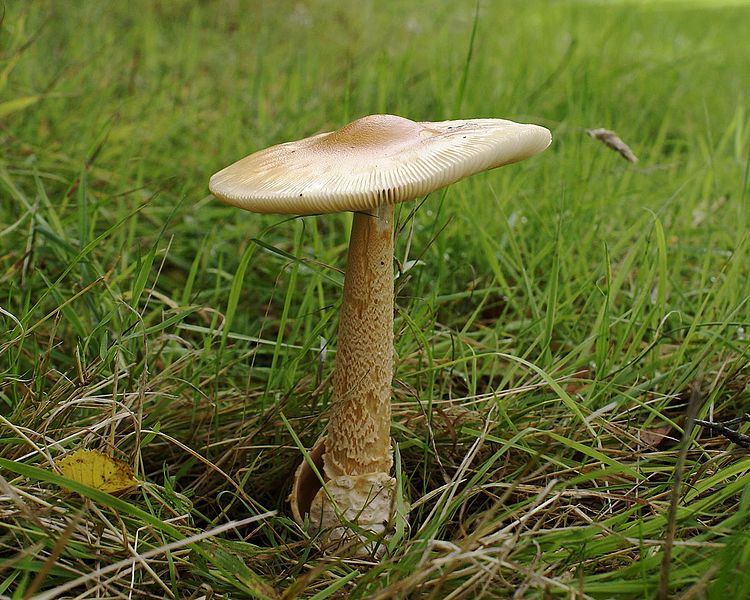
[612, 140]
[98, 470]
[655, 436]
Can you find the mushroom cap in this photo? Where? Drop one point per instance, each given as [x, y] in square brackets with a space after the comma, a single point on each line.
[373, 161]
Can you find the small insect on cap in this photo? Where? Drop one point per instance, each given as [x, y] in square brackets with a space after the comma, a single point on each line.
[373, 161]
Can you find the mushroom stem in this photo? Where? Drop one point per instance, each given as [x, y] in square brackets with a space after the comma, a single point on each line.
[358, 441]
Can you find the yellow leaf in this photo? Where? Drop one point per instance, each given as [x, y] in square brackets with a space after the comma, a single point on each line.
[98, 470]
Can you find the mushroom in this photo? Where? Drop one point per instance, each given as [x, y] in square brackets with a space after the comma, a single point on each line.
[366, 167]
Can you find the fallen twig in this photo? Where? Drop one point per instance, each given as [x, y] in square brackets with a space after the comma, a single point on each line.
[725, 429]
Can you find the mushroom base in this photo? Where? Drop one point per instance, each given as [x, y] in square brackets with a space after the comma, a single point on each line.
[366, 502]
[306, 483]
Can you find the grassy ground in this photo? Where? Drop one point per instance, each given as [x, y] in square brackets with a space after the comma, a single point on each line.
[567, 316]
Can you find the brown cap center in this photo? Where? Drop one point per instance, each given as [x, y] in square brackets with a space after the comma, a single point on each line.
[374, 131]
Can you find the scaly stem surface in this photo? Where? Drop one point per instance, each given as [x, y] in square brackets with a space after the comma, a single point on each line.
[358, 441]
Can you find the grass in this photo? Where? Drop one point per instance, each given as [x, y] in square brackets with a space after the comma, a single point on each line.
[565, 319]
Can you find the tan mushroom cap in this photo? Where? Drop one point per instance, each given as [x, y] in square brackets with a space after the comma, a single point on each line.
[373, 161]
